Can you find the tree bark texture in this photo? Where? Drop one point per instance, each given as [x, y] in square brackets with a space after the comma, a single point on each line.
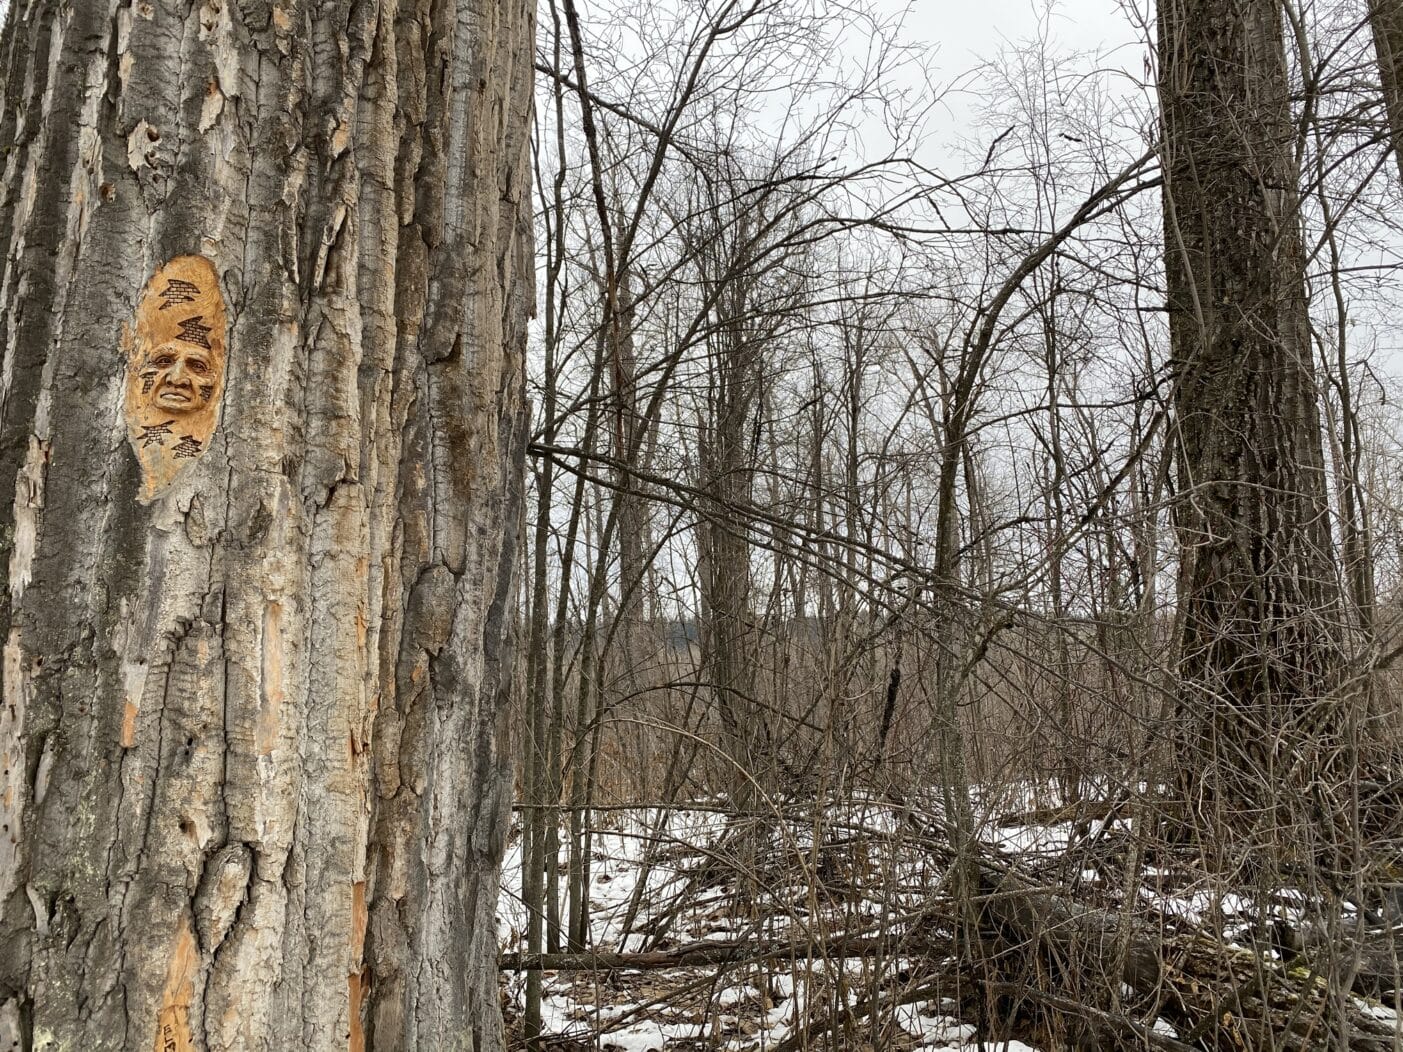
[1259, 618]
[255, 771]
[1386, 20]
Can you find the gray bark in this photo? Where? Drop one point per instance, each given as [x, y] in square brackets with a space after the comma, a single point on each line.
[1386, 21]
[255, 779]
[1259, 617]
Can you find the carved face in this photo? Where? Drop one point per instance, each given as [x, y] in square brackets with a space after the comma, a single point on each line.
[176, 351]
[178, 378]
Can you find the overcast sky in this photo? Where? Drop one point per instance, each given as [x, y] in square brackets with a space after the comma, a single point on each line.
[967, 30]
[966, 33]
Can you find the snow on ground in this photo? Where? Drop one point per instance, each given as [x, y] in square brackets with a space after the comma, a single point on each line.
[746, 1007]
[843, 869]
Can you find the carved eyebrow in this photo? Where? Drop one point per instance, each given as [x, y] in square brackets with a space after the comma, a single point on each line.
[189, 353]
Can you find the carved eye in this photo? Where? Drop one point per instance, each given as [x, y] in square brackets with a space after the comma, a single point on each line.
[165, 361]
[197, 366]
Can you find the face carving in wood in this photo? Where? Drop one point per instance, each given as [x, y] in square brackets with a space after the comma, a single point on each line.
[180, 377]
[175, 369]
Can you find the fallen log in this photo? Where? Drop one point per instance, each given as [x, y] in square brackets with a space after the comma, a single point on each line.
[738, 952]
[1216, 995]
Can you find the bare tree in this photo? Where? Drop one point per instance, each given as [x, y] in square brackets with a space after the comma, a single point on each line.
[882, 467]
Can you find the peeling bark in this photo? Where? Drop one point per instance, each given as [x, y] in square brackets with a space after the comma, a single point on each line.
[255, 771]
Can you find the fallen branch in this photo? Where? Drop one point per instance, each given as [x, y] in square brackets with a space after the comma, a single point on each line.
[1229, 996]
[708, 954]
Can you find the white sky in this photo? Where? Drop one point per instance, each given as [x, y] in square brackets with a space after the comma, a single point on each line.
[968, 30]
[967, 33]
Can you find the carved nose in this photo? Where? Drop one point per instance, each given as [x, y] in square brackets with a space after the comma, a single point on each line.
[179, 376]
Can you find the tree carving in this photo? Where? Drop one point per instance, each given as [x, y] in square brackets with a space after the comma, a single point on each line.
[176, 353]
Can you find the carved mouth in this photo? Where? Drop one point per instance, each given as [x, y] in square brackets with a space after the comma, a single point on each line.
[178, 397]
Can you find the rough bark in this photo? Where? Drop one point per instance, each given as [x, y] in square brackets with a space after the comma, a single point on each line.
[255, 775]
[1259, 617]
[1386, 21]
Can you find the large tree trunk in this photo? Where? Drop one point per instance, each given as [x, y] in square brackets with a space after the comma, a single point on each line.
[266, 275]
[1259, 598]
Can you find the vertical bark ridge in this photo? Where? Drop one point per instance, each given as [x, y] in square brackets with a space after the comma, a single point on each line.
[252, 731]
[1260, 620]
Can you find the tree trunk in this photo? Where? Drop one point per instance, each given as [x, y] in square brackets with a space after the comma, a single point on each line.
[724, 563]
[1258, 590]
[266, 276]
[1386, 20]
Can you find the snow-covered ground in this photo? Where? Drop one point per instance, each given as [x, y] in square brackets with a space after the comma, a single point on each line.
[738, 1007]
[844, 870]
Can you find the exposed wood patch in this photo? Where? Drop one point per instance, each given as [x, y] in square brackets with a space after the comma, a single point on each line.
[133, 687]
[359, 918]
[173, 1024]
[175, 369]
[359, 979]
[129, 724]
[359, 987]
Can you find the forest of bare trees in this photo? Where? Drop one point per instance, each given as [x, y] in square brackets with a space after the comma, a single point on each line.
[961, 558]
[714, 524]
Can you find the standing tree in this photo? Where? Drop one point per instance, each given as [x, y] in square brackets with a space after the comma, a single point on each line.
[266, 275]
[1259, 618]
[1386, 20]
